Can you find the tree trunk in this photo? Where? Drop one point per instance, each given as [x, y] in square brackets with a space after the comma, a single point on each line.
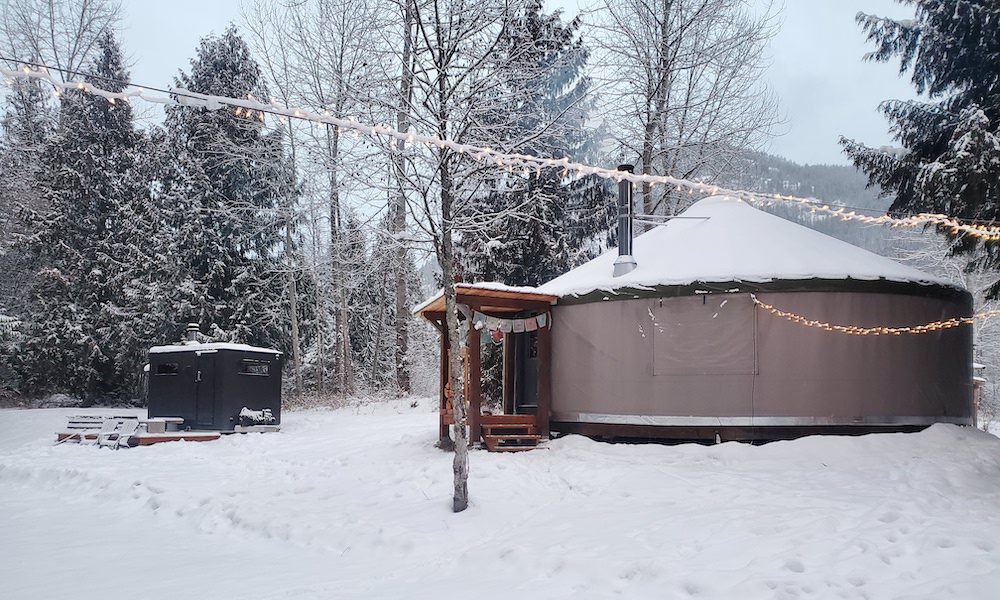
[293, 308]
[647, 166]
[337, 276]
[402, 316]
[293, 293]
[460, 464]
[446, 257]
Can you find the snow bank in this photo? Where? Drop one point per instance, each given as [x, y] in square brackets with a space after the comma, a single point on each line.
[355, 503]
[208, 347]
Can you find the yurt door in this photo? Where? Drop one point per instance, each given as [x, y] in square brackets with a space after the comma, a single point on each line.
[526, 373]
[205, 391]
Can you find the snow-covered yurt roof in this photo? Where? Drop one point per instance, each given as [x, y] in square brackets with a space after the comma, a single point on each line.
[723, 240]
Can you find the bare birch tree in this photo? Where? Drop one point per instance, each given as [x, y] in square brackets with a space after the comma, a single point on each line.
[680, 83]
[465, 90]
[321, 51]
[455, 42]
[276, 60]
[398, 208]
[58, 33]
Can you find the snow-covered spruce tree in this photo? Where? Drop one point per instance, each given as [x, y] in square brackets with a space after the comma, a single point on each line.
[949, 161]
[79, 335]
[222, 186]
[59, 353]
[26, 125]
[531, 228]
[373, 306]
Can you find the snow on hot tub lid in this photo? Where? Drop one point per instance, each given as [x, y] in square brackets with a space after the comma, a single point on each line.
[730, 241]
[209, 347]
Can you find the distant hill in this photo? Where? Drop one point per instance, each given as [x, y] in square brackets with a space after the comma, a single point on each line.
[834, 184]
[840, 184]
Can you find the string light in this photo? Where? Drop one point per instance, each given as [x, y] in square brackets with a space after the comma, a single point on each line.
[878, 330]
[513, 161]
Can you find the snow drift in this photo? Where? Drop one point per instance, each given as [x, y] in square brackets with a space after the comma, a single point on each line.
[354, 503]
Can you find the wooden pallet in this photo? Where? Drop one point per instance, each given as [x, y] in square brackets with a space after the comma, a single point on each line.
[143, 438]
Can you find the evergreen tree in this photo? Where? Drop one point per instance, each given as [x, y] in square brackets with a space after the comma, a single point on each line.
[538, 225]
[88, 243]
[950, 157]
[27, 125]
[531, 227]
[222, 186]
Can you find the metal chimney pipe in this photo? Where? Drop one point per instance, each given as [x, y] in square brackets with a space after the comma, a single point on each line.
[192, 332]
[625, 263]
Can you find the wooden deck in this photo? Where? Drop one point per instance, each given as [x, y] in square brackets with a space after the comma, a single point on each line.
[143, 438]
[505, 433]
[499, 433]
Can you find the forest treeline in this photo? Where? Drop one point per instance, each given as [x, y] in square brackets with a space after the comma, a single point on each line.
[122, 224]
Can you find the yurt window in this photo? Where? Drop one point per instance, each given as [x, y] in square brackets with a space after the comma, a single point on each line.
[255, 367]
[170, 368]
[703, 335]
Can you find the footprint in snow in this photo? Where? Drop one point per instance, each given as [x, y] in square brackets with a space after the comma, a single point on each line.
[794, 565]
[889, 517]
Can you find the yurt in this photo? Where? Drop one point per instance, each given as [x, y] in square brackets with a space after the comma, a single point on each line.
[727, 323]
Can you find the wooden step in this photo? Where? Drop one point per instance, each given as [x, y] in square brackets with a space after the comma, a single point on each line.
[531, 436]
[511, 443]
[507, 420]
[509, 431]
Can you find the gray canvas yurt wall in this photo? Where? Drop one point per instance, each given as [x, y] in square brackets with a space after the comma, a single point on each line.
[716, 360]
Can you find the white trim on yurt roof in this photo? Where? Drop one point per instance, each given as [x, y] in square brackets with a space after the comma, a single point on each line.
[209, 347]
[734, 242]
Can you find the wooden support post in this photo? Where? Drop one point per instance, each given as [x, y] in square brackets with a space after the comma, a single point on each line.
[475, 384]
[508, 374]
[444, 425]
[544, 378]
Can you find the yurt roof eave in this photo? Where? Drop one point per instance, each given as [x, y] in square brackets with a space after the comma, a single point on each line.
[725, 240]
[770, 286]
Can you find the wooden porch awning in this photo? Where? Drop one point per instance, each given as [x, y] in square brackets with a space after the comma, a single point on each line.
[493, 300]
[488, 299]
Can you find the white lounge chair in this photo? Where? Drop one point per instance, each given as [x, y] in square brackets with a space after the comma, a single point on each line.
[118, 434]
[108, 427]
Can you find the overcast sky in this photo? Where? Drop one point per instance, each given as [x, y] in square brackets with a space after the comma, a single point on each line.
[824, 88]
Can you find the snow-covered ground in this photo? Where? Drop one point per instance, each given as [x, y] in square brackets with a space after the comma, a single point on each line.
[355, 503]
